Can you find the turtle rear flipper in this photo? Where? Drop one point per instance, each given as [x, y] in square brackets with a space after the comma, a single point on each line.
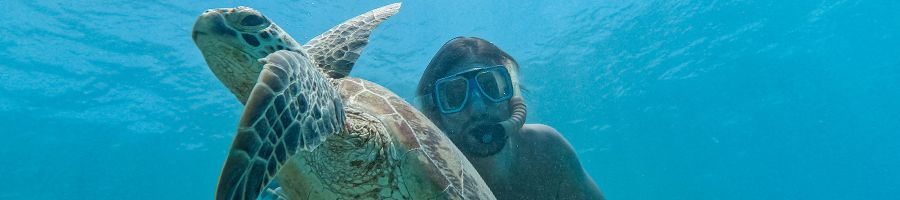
[292, 107]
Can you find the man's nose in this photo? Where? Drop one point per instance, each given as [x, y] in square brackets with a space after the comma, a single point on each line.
[476, 102]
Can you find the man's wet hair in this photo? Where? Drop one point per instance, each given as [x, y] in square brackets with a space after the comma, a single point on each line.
[459, 51]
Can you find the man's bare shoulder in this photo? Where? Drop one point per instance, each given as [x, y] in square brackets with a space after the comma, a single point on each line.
[546, 139]
[539, 144]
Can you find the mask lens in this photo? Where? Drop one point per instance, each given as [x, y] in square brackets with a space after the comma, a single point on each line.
[451, 93]
[495, 84]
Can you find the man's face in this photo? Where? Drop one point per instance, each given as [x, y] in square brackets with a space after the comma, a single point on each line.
[472, 128]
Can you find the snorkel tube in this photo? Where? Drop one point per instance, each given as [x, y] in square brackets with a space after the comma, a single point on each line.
[517, 119]
[494, 136]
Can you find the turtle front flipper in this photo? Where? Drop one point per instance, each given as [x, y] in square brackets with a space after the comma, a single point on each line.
[291, 107]
[336, 50]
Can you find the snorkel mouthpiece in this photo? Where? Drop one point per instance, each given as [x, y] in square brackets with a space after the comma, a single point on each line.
[489, 132]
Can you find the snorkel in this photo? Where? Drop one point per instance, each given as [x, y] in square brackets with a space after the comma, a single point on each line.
[517, 119]
[517, 107]
[497, 134]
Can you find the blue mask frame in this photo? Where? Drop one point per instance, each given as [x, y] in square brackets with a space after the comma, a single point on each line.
[472, 84]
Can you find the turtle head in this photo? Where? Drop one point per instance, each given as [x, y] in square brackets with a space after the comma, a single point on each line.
[233, 39]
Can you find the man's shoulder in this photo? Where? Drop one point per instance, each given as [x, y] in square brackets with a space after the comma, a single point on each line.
[546, 139]
[542, 133]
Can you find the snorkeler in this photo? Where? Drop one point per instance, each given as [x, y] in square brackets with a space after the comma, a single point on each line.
[470, 91]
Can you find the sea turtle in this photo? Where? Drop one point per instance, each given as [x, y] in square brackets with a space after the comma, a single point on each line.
[317, 132]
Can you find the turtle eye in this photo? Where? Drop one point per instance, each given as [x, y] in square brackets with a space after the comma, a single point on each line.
[247, 20]
[253, 20]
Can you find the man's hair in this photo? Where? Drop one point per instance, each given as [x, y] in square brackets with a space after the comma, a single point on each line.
[461, 50]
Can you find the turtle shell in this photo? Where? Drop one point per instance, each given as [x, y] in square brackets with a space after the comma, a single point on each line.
[428, 161]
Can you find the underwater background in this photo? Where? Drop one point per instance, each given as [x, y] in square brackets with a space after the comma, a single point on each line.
[677, 99]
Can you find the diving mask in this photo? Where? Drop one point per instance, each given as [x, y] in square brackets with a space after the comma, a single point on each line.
[452, 92]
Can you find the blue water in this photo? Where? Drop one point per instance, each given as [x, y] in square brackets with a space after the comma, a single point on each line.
[670, 99]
